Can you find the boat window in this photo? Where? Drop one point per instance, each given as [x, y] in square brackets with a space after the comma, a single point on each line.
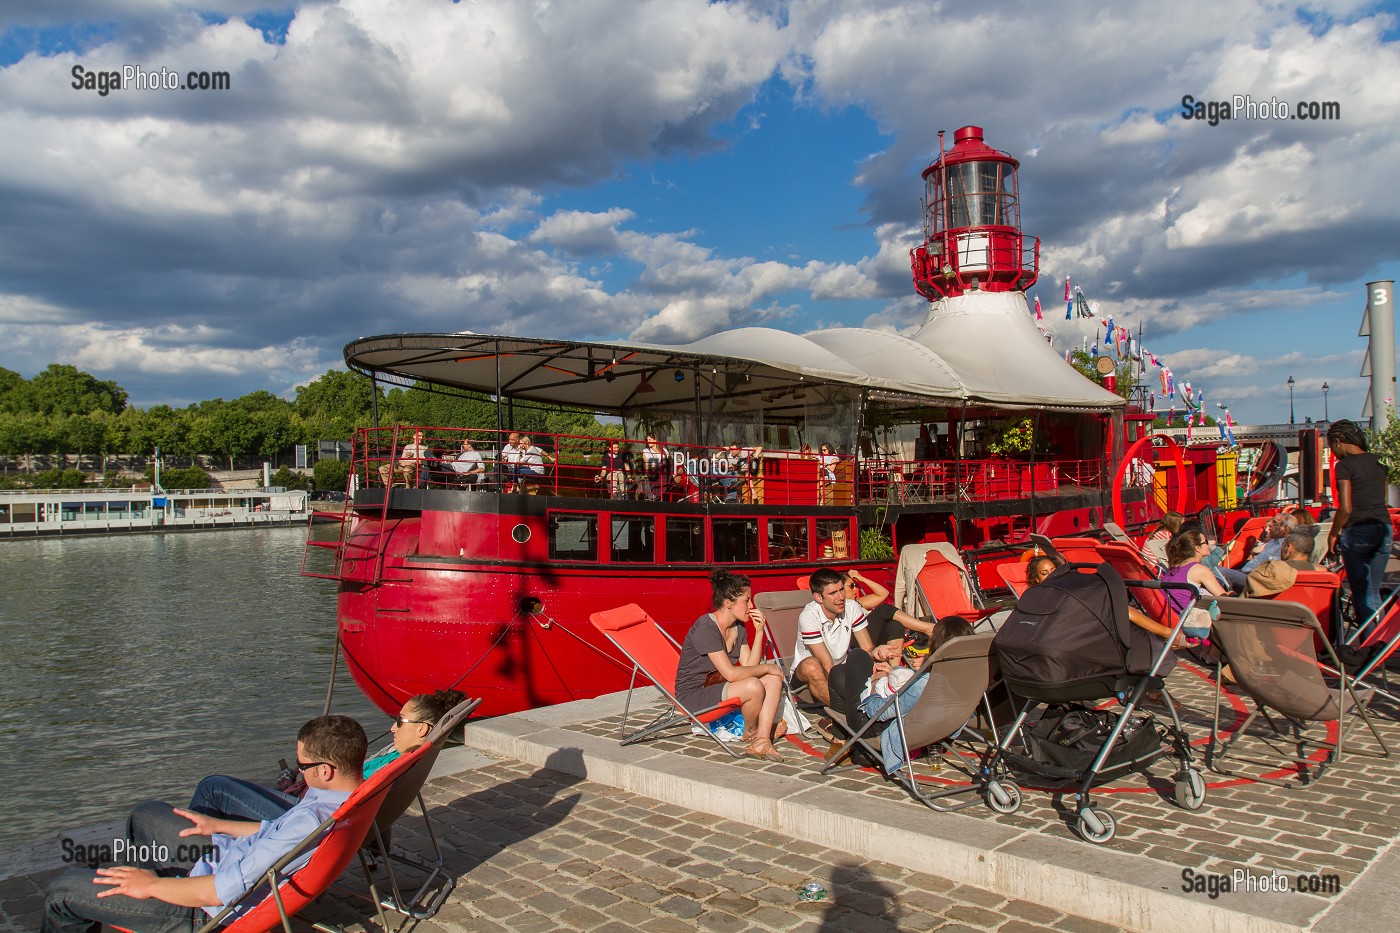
[573, 537]
[633, 539]
[787, 539]
[685, 540]
[835, 535]
[736, 540]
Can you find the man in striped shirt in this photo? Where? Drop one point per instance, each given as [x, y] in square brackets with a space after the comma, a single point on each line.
[825, 630]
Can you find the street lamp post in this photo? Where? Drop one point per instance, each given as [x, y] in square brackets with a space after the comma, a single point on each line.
[1324, 404]
[1290, 400]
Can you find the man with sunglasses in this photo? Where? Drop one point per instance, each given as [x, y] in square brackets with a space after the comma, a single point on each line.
[172, 888]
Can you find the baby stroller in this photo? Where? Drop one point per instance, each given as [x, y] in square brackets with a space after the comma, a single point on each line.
[1069, 641]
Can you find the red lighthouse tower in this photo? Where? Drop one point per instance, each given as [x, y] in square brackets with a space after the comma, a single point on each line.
[972, 223]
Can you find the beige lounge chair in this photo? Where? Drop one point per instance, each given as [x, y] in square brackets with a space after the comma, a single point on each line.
[1270, 647]
[959, 674]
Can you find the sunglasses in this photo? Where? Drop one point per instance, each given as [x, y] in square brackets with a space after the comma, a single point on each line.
[303, 765]
[399, 721]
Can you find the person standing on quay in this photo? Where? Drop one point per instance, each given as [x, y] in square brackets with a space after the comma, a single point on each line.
[1361, 524]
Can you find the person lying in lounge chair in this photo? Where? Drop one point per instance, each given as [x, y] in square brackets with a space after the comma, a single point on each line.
[216, 860]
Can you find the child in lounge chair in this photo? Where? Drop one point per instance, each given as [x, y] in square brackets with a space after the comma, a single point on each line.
[886, 680]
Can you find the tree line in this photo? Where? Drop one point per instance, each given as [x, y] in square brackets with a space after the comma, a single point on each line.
[65, 411]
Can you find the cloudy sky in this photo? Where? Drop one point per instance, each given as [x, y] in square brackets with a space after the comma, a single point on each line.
[665, 170]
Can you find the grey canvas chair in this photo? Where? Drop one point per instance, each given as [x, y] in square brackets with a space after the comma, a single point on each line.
[958, 676]
[781, 608]
[1270, 646]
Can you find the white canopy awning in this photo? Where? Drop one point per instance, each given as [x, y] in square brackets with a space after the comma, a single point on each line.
[977, 349]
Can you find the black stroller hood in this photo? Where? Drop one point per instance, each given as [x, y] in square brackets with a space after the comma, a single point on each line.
[1069, 638]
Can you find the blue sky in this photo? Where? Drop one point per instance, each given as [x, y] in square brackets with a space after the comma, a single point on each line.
[666, 170]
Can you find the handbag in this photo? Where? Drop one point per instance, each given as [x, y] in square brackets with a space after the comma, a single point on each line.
[712, 678]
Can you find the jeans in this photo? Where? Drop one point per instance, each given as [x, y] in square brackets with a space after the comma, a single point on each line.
[891, 746]
[71, 904]
[231, 798]
[1365, 551]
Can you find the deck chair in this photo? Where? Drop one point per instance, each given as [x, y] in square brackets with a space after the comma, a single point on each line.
[781, 608]
[1073, 550]
[1014, 575]
[1243, 542]
[944, 587]
[336, 842]
[1116, 534]
[655, 656]
[424, 901]
[1127, 560]
[958, 676]
[1319, 590]
[1270, 646]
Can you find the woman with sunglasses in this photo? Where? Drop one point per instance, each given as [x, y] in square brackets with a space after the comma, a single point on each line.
[231, 798]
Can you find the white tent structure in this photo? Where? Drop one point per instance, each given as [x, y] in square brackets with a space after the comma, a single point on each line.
[979, 349]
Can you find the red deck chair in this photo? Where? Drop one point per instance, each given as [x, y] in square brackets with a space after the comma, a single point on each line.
[1127, 560]
[655, 656]
[337, 842]
[1073, 550]
[1319, 591]
[945, 589]
[1243, 542]
[1014, 575]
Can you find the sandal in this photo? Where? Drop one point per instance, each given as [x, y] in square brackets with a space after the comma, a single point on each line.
[763, 749]
[780, 729]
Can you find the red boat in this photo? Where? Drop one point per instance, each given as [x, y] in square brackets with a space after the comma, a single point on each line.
[970, 430]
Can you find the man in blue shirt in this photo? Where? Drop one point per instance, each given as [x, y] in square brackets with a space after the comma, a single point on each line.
[1279, 527]
[223, 857]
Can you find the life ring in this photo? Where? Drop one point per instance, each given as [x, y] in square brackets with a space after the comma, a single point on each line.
[1130, 455]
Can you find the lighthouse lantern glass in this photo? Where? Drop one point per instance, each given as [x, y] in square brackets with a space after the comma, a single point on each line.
[980, 195]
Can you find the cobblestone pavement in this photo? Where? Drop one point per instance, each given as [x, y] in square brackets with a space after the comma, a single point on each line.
[1337, 826]
[538, 850]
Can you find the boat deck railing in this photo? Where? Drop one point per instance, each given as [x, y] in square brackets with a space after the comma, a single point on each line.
[571, 465]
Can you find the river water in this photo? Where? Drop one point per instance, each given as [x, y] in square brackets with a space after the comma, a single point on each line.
[132, 666]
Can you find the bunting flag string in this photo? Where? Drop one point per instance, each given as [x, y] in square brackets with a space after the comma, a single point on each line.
[1119, 343]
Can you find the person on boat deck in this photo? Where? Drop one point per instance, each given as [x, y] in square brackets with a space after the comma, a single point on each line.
[826, 476]
[508, 459]
[182, 892]
[616, 470]
[468, 465]
[653, 468]
[413, 465]
[885, 680]
[1361, 525]
[529, 468]
[725, 471]
[825, 629]
[715, 665]
[231, 798]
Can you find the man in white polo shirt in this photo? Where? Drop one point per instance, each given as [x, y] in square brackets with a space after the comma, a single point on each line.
[825, 630]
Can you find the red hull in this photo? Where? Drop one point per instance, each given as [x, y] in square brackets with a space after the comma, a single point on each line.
[435, 621]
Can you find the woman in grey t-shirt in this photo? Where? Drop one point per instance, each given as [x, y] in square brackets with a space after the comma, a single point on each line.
[716, 665]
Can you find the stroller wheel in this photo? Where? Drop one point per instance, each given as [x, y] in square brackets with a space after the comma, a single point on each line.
[1094, 825]
[1190, 792]
[1003, 796]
